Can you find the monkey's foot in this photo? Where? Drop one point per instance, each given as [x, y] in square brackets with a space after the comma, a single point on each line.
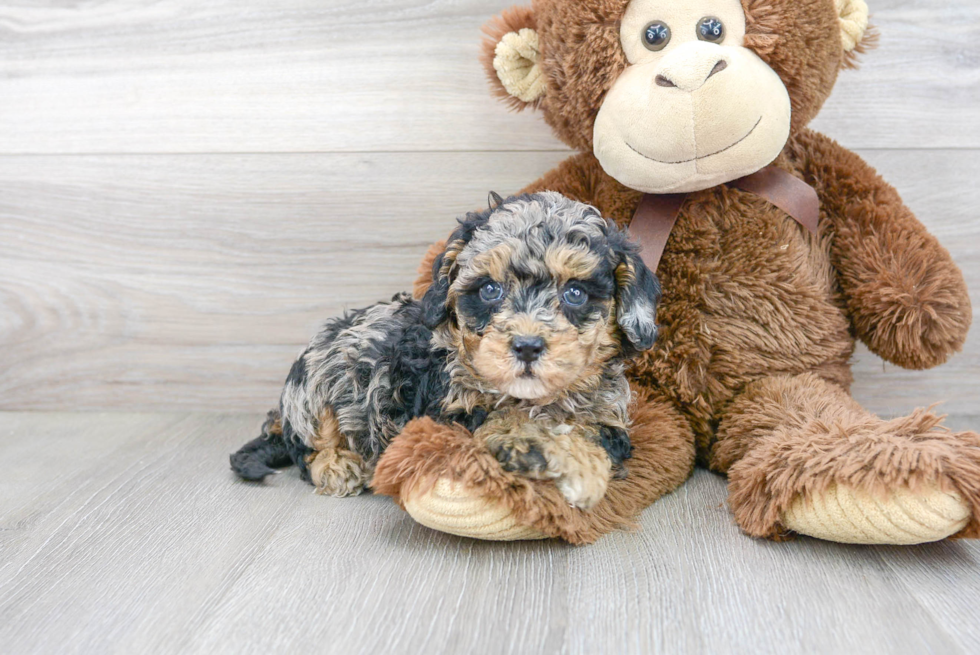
[453, 508]
[851, 516]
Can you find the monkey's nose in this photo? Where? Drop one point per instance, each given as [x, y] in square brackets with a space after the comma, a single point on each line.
[690, 67]
[527, 349]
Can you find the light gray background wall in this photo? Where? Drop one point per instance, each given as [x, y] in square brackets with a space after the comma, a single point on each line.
[187, 189]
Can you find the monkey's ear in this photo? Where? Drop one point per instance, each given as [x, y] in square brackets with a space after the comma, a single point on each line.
[510, 55]
[637, 297]
[853, 16]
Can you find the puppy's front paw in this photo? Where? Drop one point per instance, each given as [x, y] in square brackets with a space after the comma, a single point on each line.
[567, 454]
[581, 468]
[520, 456]
[582, 489]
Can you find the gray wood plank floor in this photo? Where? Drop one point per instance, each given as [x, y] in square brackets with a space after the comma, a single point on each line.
[127, 533]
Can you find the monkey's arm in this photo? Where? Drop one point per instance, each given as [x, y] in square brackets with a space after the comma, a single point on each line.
[906, 297]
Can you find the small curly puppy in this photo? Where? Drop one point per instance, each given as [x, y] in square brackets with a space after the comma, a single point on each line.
[522, 338]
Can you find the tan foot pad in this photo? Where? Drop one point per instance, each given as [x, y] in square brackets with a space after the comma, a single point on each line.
[849, 516]
[452, 508]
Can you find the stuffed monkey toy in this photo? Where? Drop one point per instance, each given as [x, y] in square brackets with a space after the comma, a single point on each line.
[776, 248]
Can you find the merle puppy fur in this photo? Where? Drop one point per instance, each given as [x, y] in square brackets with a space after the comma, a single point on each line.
[522, 338]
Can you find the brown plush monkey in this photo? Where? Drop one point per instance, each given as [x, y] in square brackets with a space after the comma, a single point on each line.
[759, 316]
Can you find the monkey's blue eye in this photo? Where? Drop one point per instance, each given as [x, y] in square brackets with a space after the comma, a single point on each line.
[574, 296]
[491, 292]
[656, 36]
[711, 29]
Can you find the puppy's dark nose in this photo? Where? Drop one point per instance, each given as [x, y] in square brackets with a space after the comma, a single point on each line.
[528, 349]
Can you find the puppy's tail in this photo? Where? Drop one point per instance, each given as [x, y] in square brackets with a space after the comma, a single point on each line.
[264, 454]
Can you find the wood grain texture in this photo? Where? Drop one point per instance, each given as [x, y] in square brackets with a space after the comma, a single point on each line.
[190, 282]
[193, 281]
[170, 76]
[132, 536]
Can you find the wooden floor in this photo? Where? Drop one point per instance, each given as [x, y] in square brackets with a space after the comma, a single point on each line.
[126, 533]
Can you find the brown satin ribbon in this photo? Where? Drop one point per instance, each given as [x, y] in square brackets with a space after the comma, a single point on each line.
[652, 224]
[656, 215]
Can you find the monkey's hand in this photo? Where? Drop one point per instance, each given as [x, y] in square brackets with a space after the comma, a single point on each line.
[905, 295]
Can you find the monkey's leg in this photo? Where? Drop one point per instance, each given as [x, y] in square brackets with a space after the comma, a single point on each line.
[803, 456]
[450, 481]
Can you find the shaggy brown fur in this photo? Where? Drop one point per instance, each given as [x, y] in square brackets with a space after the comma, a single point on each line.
[759, 317]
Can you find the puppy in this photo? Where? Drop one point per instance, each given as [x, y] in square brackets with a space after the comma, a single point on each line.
[522, 338]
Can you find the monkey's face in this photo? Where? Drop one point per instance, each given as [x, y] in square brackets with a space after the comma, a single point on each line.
[694, 108]
[675, 95]
[540, 294]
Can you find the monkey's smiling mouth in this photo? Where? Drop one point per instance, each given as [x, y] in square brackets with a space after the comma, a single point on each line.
[687, 161]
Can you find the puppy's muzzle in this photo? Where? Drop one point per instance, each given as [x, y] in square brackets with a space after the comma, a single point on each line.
[528, 349]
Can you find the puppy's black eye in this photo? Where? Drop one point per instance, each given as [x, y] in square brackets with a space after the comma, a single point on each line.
[711, 29]
[574, 296]
[656, 35]
[491, 292]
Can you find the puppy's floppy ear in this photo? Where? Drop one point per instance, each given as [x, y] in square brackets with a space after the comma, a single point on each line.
[435, 302]
[637, 297]
[510, 55]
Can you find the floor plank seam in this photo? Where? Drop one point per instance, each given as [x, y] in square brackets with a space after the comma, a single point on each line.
[118, 480]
